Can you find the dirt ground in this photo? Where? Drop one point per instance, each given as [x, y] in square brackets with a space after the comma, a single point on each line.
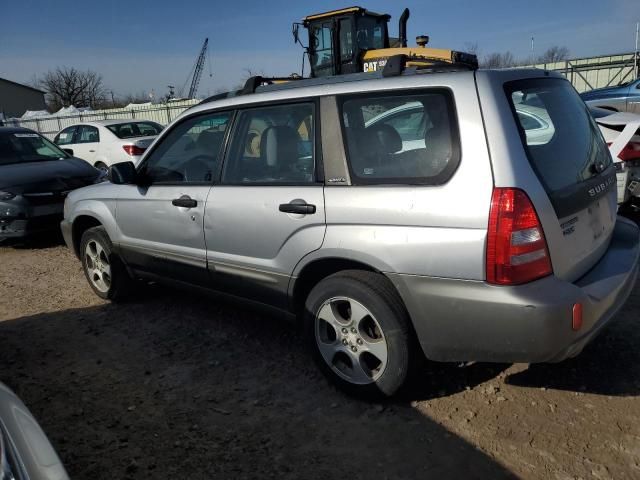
[175, 385]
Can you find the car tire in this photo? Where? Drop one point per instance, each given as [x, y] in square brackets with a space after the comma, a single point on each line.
[359, 334]
[105, 272]
[102, 167]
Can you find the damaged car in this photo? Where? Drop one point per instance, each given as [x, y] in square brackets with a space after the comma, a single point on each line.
[35, 177]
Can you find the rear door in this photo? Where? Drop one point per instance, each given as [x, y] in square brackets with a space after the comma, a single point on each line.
[268, 210]
[571, 160]
[87, 141]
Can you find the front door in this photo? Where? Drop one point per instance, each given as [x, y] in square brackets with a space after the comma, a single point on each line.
[161, 222]
[268, 212]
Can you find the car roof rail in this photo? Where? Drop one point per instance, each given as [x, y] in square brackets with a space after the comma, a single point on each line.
[396, 65]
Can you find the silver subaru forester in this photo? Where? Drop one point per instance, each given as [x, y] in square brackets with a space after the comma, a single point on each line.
[463, 215]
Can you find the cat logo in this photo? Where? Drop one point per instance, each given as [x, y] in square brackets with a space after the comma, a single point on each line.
[374, 66]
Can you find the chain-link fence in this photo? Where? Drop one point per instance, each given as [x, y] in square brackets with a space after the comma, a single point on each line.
[162, 113]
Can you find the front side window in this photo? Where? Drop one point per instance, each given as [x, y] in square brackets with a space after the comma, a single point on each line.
[66, 136]
[401, 138]
[272, 145]
[87, 134]
[190, 153]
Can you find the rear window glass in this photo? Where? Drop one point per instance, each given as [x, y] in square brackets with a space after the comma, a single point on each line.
[562, 140]
[401, 138]
[135, 129]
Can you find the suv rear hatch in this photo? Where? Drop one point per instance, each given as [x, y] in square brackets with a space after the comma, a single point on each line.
[568, 154]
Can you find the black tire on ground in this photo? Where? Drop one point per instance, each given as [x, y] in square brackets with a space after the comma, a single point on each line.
[118, 284]
[377, 294]
[101, 166]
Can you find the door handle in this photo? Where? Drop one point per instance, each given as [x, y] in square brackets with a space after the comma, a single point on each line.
[302, 208]
[92, 151]
[184, 201]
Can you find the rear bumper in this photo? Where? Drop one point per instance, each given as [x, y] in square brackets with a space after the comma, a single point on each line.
[458, 320]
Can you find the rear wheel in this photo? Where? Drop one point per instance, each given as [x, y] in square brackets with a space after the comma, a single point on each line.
[358, 330]
[104, 270]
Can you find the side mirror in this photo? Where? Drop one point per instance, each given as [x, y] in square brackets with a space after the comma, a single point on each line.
[123, 173]
[68, 150]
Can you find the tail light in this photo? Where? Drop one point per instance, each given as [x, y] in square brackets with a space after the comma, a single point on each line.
[516, 248]
[631, 151]
[133, 149]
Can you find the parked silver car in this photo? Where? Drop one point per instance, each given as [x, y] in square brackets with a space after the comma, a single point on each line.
[484, 244]
[25, 451]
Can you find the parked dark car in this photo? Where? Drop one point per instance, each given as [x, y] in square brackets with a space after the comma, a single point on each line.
[35, 177]
[619, 98]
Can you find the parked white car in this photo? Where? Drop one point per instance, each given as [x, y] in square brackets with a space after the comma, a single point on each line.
[105, 142]
[621, 130]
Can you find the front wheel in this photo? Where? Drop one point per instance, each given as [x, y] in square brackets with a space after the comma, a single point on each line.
[104, 270]
[359, 333]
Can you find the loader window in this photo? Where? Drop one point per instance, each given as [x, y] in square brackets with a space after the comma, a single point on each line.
[321, 51]
[371, 33]
[346, 40]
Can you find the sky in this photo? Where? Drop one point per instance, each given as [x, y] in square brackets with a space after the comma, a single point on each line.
[143, 46]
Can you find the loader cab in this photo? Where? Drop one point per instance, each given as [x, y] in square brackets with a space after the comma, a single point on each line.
[338, 39]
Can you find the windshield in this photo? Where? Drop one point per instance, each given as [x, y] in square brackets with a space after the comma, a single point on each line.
[135, 129]
[20, 147]
[562, 140]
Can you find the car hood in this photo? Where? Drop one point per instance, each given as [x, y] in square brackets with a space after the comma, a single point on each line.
[596, 92]
[48, 176]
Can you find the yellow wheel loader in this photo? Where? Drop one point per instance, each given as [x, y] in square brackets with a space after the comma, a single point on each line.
[355, 39]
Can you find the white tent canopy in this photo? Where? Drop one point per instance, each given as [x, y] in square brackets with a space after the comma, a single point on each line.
[34, 113]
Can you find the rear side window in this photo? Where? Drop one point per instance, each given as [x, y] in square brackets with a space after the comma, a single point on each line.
[398, 139]
[563, 142]
[272, 145]
[87, 134]
[135, 129]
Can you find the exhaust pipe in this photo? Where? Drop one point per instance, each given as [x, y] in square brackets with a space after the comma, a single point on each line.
[402, 28]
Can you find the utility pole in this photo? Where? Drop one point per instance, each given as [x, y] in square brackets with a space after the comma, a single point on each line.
[533, 59]
[636, 57]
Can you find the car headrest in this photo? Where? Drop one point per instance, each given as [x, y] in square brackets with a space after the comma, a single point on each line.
[386, 137]
[279, 144]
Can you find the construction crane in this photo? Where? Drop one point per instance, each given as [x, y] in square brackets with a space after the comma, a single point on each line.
[196, 71]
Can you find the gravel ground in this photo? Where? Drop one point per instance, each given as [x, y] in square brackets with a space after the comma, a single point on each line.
[174, 385]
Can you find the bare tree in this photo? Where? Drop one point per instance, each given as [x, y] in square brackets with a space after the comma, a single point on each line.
[67, 86]
[554, 54]
[472, 48]
[499, 60]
